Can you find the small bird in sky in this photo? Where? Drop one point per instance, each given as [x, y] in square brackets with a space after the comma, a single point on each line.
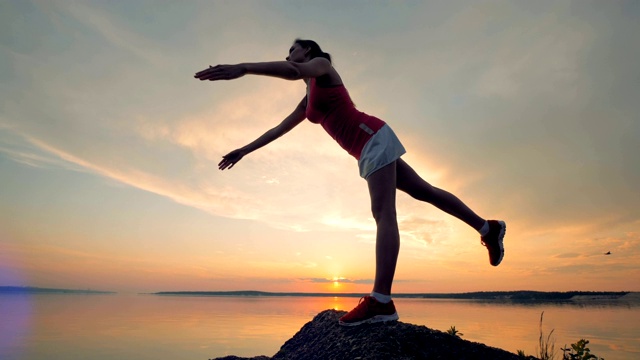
[608, 253]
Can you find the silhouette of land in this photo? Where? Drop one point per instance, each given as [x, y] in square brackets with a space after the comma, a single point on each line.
[37, 290]
[523, 295]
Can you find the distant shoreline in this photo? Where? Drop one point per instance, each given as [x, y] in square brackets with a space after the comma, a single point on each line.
[522, 295]
[38, 290]
[513, 296]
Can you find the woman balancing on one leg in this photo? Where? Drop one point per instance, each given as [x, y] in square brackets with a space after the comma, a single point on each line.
[378, 151]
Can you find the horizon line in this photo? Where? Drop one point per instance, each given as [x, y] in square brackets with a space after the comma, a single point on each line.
[13, 288]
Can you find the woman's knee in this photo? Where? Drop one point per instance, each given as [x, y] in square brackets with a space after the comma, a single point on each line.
[383, 213]
[411, 183]
[387, 218]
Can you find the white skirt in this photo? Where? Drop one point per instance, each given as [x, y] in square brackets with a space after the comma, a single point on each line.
[382, 149]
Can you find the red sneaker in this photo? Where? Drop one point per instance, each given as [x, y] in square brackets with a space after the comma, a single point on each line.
[494, 241]
[369, 310]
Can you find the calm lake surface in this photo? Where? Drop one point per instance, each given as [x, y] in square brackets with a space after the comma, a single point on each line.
[122, 326]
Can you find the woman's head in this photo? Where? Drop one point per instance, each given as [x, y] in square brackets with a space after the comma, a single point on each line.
[309, 49]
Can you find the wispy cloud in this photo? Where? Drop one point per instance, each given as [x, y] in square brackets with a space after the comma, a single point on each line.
[116, 32]
[568, 255]
[337, 280]
[23, 152]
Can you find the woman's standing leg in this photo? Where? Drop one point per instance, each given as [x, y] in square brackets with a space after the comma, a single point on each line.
[382, 188]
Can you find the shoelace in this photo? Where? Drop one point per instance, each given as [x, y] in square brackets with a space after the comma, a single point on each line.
[363, 304]
[484, 243]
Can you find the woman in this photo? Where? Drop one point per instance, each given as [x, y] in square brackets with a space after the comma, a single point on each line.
[372, 142]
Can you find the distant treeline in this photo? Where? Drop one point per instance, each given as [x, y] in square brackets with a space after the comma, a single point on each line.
[482, 295]
[37, 290]
[520, 295]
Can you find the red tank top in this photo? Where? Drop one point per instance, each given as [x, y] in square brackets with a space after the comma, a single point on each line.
[333, 109]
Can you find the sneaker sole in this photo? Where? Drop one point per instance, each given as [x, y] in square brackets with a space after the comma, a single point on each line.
[503, 231]
[375, 319]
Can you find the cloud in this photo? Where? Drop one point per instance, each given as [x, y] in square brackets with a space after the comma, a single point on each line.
[348, 281]
[418, 230]
[112, 29]
[22, 151]
[340, 280]
[567, 255]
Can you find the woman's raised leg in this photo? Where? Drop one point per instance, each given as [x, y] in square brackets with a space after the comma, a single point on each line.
[492, 231]
[411, 183]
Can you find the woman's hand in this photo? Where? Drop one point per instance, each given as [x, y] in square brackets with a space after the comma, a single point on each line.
[221, 72]
[231, 159]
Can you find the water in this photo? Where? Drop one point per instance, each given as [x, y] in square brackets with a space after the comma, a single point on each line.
[97, 327]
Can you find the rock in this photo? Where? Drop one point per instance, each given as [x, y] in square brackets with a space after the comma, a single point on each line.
[324, 339]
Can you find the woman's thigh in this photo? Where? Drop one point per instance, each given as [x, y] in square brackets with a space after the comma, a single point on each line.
[407, 180]
[382, 189]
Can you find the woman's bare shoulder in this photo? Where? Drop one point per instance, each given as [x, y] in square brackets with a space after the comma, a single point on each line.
[332, 78]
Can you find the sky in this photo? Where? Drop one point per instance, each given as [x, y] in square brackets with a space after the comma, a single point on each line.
[527, 111]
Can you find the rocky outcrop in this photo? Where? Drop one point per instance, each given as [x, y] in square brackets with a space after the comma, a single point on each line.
[324, 339]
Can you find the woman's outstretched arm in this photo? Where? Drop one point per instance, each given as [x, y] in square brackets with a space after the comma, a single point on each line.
[287, 70]
[295, 118]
